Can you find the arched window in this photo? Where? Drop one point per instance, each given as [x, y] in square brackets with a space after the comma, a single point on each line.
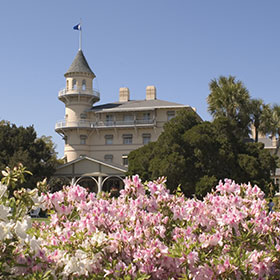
[74, 84]
[84, 85]
[67, 84]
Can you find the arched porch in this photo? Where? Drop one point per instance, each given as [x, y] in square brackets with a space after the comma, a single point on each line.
[94, 175]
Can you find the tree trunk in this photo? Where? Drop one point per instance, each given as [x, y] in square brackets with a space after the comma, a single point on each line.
[256, 135]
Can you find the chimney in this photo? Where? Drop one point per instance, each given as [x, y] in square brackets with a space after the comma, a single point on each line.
[124, 94]
[151, 93]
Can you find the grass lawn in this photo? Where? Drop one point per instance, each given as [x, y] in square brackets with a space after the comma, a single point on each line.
[46, 220]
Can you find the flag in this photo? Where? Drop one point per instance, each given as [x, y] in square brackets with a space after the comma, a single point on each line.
[78, 27]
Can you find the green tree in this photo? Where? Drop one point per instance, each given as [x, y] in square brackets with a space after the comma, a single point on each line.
[139, 161]
[230, 98]
[156, 159]
[196, 155]
[21, 145]
[171, 148]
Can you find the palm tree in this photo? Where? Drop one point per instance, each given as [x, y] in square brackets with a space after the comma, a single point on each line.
[229, 98]
[275, 123]
[270, 123]
[259, 115]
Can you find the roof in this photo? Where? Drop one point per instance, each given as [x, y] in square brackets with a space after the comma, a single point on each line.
[277, 172]
[136, 105]
[267, 142]
[111, 165]
[79, 65]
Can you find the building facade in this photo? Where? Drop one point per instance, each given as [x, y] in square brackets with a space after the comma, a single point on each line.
[105, 134]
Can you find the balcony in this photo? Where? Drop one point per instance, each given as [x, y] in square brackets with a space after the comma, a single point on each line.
[90, 92]
[72, 124]
[103, 124]
[130, 123]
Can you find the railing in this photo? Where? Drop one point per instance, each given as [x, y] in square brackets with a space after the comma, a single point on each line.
[65, 91]
[102, 124]
[124, 123]
[72, 124]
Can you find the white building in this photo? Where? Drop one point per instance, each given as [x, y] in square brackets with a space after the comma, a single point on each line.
[98, 138]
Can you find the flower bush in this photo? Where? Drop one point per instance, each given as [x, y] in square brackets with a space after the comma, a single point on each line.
[145, 233]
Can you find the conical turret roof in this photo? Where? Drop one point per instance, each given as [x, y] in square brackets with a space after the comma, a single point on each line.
[79, 65]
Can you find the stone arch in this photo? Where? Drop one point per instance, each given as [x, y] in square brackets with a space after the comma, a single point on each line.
[112, 184]
[88, 182]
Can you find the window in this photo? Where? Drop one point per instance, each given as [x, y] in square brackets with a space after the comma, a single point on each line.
[83, 116]
[109, 119]
[170, 115]
[125, 160]
[74, 84]
[127, 139]
[146, 138]
[146, 116]
[84, 85]
[128, 119]
[109, 139]
[108, 158]
[83, 139]
[67, 84]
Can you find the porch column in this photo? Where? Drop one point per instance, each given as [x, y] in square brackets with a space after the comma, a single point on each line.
[99, 184]
[73, 181]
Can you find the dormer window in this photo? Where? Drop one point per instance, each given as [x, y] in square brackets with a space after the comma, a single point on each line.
[84, 85]
[74, 84]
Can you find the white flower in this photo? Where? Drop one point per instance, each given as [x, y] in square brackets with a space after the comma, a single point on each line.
[71, 266]
[99, 237]
[2, 231]
[37, 200]
[3, 189]
[22, 227]
[4, 213]
[5, 230]
[34, 244]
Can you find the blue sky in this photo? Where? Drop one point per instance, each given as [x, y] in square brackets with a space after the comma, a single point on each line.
[176, 45]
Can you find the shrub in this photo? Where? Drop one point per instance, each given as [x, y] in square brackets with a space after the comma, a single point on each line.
[145, 233]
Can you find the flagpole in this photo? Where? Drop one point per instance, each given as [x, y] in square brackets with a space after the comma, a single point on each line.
[80, 45]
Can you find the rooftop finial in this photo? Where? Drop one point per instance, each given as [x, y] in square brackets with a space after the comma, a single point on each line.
[79, 27]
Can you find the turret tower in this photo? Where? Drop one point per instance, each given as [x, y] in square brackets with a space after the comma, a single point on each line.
[78, 97]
